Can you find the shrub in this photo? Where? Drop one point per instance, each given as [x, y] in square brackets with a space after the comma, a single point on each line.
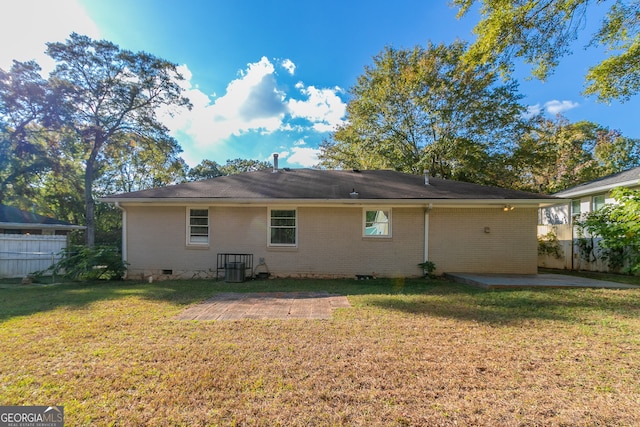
[82, 263]
[549, 245]
[428, 267]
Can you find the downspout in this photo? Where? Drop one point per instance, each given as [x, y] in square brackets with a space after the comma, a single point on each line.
[426, 219]
[124, 235]
[426, 232]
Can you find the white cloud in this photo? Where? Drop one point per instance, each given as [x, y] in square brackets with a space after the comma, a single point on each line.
[533, 110]
[323, 107]
[557, 107]
[306, 157]
[254, 103]
[26, 26]
[288, 65]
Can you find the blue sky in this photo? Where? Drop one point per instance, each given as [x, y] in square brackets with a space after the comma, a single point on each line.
[273, 76]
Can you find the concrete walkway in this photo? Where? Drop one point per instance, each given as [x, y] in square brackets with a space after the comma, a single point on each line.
[266, 305]
[496, 281]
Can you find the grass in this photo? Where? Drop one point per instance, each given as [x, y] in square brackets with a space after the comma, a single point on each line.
[612, 277]
[409, 352]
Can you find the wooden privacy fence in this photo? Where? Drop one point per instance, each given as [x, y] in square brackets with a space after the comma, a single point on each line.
[22, 254]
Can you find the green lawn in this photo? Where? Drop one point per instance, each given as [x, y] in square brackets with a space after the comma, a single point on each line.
[409, 352]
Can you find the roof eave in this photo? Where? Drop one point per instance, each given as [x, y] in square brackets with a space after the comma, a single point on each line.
[576, 192]
[337, 202]
[16, 225]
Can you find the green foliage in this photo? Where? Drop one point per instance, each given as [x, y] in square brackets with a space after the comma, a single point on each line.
[208, 169]
[105, 94]
[557, 154]
[429, 267]
[425, 109]
[618, 224]
[550, 245]
[541, 32]
[97, 263]
[133, 162]
[24, 143]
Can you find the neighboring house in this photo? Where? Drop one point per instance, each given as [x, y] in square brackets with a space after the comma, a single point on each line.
[328, 223]
[581, 200]
[30, 242]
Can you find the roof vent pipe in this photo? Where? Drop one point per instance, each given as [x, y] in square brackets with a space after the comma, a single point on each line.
[426, 177]
[275, 162]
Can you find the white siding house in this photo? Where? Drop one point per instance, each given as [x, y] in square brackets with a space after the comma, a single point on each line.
[580, 200]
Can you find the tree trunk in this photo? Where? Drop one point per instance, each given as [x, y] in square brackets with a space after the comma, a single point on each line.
[90, 205]
[89, 202]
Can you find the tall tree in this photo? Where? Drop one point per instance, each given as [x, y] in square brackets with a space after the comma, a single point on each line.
[23, 140]
[557, 154]
[106, 92]
[541, 32]
[132, 163]
[425, 109]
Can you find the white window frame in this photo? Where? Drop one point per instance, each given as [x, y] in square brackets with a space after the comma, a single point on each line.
[295, 227]
[575, 213]
[595, 208]
[389, 222]
[191, 242]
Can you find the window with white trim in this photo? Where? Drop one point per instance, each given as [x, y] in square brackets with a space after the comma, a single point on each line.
[576, 207]
[198, 226]
[598, 202]
[283, 227]
[377, 222]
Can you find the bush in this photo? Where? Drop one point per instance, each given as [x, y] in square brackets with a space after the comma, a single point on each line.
[550, 245]
[429, 267]
[82, 263]
[618, 225]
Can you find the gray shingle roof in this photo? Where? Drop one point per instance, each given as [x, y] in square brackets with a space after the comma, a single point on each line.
[11, 215]
[325, 185]
[628, 177]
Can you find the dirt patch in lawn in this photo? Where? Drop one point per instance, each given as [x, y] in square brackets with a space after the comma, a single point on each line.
[266, 305]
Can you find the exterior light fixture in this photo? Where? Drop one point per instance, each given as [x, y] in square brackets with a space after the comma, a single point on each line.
[508, 208]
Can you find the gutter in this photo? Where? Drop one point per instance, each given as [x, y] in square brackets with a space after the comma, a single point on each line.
[26, 225]
[439, 203]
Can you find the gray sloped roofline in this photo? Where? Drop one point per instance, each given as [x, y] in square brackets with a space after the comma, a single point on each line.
[329, 187]
[11, 217]
[627, 178]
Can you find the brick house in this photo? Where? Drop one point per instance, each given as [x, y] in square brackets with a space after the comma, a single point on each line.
[328, 223]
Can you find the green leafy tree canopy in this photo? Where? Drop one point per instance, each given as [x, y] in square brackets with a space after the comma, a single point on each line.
[425, 109]
[541, 32]
[104, 92]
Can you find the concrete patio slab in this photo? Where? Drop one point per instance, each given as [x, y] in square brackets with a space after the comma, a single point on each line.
[496, 281]
[266, 305]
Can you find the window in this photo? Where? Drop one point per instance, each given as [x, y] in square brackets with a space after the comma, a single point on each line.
[198, 227]
[377, 223]
[575, 207]
[598, 202]
[283, 230]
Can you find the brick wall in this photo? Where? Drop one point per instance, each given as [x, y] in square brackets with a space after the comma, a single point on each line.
[331, 242]
[484, 240]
